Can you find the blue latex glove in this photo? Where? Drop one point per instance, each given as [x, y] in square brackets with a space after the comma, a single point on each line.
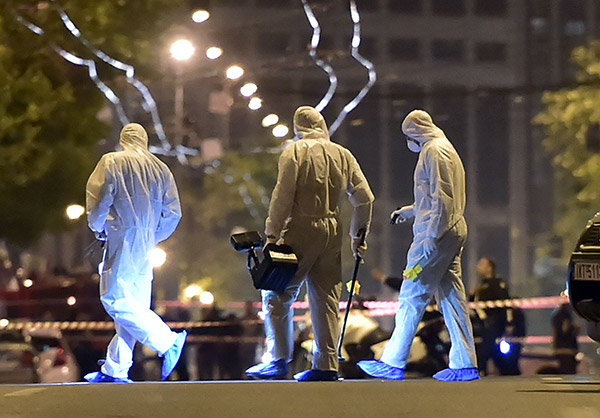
[429, 247]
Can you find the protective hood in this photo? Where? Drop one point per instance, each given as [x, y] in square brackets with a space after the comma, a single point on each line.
[310, 124]
[419, 126]
[134, 136]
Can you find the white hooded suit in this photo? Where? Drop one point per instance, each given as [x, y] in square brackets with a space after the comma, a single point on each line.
[314, 174]
[133, 199]
[440, 229]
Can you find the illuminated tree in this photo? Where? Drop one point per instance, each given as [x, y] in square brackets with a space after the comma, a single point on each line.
[571, 121]
[49, 128]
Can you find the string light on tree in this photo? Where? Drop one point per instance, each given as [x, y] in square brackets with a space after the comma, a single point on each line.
[270, 120]
[200, 16]
[280, 131]
[182, 50]
[213, 52]
[248, 89]
[234, 72]
[255, 103]
[74, 211]
[157, 257]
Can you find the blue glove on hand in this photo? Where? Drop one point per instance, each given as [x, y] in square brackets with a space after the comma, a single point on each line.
[429, 246]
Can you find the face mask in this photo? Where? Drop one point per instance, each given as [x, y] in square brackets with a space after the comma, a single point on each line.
[413, 145]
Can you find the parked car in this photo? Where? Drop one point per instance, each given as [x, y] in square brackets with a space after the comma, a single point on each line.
[583, 281]
[36, 355]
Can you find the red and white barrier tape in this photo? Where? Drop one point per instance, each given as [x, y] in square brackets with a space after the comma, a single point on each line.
[544, 302]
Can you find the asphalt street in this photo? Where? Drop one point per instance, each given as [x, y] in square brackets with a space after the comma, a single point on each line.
[502, 397]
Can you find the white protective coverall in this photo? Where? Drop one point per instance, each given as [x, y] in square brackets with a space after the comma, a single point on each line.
[438, 212]
[314, 173]
[132, 197]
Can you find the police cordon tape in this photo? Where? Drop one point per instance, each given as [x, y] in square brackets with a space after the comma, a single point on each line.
[383, 308]
[376, 309]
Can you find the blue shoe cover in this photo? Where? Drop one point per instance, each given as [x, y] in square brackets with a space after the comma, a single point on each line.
[380, 369]
[99, 377]
[274, 370]
[457, 375]
[171, 357]
[316, 375]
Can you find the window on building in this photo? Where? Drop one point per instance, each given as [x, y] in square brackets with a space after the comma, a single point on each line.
[270, 4]
[573, 9]
[492, 8]
[231, 3]
[406, 6]
[539, 49]
[449, 112]
[273, 44]
[449, 7]
[573, 16]
[448, 50]
[490, 52]
[494, 242]
[367, 5]
[492, 140]
[368, 47]
[404, 49]
[327, 42]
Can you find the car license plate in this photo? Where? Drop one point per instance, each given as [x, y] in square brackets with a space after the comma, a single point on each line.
[587, 271]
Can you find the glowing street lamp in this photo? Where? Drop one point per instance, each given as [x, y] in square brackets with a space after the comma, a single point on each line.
[74, 212]
[200, 16]
[157, 257]
[279, 131]
[214, 52]
[191, 291]
[270, 120]
[234, 72]
[182, 50]
[248, 89]
[255, 103]
[206, 298]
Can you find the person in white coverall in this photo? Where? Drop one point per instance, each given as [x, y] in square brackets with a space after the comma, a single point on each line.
[433, 267]
[314, 174]
[132, 204]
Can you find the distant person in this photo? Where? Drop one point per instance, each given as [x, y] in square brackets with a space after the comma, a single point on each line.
[314, 174]
[564, 341]
[433, 267]
[132, 204]
[493, 320]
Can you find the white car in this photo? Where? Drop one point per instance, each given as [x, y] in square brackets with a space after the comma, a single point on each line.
[36, 355]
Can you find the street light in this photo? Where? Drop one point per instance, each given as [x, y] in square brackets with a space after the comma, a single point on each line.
[157, 257]
[214, 52]
[206, 298]
[270, 120]
[200, 16]
[234, 72]
[182, 50]
[74, 212]
[248, 89]
[280, 131]
[255, 103]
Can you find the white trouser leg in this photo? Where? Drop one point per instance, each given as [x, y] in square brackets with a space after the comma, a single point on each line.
[279, 321]
[119, 355]
[440, 277]
[414, 298]
[324, 285]
[126, 295]
[453, 306]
